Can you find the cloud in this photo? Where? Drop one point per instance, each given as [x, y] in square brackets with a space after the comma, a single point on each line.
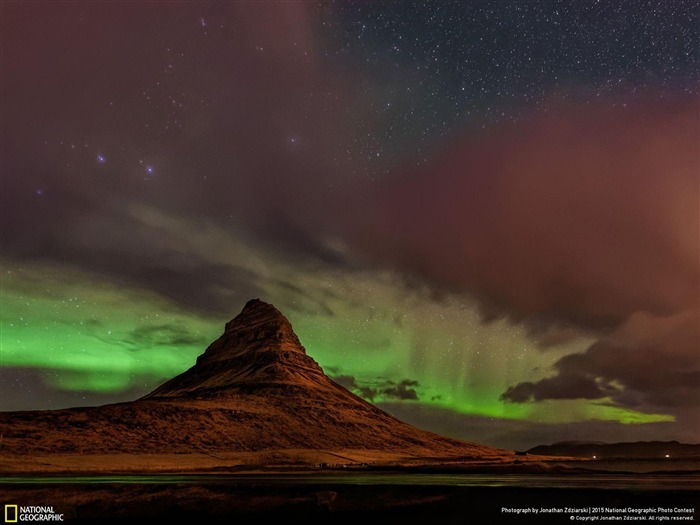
[571, 386]
[587, 213]
[550, 333]
[166, 334]
[194, 262]
[383, 389]
[648, 363]
[345, 381]
[401, 390]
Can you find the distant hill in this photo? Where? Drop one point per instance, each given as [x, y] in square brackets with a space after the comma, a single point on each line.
[634, 450]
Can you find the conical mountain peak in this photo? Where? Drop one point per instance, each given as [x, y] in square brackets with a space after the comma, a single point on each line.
[261, 321]
[255, 309]
[258, 347]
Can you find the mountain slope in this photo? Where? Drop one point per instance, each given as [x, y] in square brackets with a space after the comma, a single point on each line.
[253, 390]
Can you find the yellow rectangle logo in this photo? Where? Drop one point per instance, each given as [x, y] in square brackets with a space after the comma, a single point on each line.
[11, 513]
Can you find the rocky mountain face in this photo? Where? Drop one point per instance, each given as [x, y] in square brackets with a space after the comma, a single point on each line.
[254, 389]
[258, 349]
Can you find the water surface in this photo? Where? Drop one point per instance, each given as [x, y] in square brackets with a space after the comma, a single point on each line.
[640, 482]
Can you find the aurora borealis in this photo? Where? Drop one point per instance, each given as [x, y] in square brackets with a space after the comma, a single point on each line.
[481, 216]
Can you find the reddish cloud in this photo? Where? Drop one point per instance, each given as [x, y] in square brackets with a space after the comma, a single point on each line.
[590, 213]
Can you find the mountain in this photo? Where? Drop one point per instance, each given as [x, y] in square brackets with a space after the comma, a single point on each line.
[253, 397]
[258, 351]
[635, 450]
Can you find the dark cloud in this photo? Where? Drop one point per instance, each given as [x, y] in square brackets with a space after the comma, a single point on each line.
[187, 280]
[367, 393]
[141, 249]
[570, 386]
[647, 364]
[402, 390]
[149, 254]
[385, 390]
[345, 381]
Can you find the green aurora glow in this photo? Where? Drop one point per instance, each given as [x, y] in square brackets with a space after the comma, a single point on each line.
[96, 336]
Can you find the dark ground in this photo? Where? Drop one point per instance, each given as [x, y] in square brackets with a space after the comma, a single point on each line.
[335, 504]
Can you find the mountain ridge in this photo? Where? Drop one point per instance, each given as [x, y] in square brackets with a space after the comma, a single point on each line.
[620, 450]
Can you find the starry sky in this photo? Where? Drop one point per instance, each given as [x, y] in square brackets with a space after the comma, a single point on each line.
[481, 216]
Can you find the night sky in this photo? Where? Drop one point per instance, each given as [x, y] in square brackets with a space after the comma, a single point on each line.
[481, 216]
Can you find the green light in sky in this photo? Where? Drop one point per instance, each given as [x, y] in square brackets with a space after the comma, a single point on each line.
[99, 337]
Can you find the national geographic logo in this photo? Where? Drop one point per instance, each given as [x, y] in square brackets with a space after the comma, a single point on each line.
[10, 513]
[15, 514]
